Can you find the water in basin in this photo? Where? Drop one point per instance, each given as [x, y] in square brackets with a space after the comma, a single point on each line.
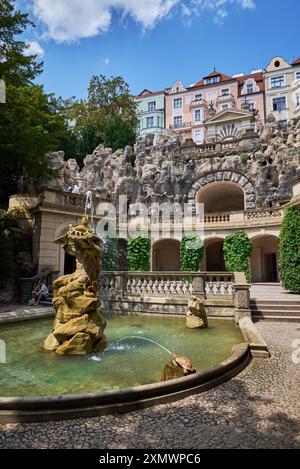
[29, 371]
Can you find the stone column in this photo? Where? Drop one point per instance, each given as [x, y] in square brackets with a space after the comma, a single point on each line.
[241, 292]
[199, 287]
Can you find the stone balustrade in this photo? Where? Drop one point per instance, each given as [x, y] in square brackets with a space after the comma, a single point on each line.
[167, 284]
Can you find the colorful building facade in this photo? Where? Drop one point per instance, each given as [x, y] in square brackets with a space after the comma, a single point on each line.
[151, 112]
[282, 85]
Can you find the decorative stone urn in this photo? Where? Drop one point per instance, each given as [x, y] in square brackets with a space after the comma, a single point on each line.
[78, 326]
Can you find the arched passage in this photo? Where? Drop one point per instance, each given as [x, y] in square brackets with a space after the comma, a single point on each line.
[166, 256]
[265, 259]
[214, 256]
[221, 197]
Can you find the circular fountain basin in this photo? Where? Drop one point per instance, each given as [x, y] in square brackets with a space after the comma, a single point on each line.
[36, 385]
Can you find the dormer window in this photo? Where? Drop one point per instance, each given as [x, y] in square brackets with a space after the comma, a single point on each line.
[249, 88]
[211, 80]
[177, 89]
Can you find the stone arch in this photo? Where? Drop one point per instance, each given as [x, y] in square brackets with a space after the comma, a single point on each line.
[213, 254]
[166, 255]
[265, 258]
[224, 176]
[221, 197]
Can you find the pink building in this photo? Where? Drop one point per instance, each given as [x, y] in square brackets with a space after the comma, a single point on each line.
[217, 108]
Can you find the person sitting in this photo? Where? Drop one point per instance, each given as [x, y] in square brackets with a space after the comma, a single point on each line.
[40, 292]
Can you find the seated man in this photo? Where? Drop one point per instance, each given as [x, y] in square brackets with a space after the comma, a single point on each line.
[40, 293]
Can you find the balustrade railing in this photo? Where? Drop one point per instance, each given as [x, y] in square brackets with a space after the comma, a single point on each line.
[216, 217]
[166, 284]
[263, 213]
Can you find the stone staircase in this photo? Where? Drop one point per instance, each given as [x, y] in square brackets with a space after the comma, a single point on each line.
[271, 302]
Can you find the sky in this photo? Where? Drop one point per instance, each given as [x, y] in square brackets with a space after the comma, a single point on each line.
[153, 43]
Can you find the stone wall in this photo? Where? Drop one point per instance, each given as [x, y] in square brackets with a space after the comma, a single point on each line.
[173, 170]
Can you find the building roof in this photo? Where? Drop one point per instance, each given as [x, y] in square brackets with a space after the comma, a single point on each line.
[147, 93]
[296, 62]
[211, 75]
[258, 77]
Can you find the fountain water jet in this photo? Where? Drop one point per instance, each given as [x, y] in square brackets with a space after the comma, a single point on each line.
[145, 338]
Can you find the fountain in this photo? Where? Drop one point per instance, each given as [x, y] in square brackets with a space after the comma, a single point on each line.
[78, 326]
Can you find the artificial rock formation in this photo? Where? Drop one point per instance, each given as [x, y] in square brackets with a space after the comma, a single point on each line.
[196, 317]
[78, 326]
[169, 171]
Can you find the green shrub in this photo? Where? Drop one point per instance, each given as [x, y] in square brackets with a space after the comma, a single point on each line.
[290, 250]
[244, 158]
[138, 253]
[191, 253]
[237, 250]
[110, 255]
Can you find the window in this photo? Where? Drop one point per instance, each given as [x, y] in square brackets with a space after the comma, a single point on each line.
[279, 104]
[209, 81]
[158, 121]
[149, 122]
[177, 89]
[277, 82]
[225, 106]
[225, 91]
[249, 88]
[297, 75]
[177, 122]
[253, 127]
[251, 106]
[198, 136]
[152, 106]
[198, 97]
[197, 115]
[177, 103]
[297, 99]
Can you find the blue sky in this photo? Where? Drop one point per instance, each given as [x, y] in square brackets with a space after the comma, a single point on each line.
[152, 43]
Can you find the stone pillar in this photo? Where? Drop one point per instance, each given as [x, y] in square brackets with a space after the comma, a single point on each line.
[241, 292]
[199, 287]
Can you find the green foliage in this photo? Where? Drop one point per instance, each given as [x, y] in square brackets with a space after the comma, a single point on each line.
[237, 250]
[290, 250]
[138, 253]
[191, 253]
[244, 158]
[30, 127]
[110, 255]
[15, 67]
[107, 117]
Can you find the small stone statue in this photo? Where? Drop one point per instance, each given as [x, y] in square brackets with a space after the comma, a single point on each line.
[78, 326]
[177, 368]
[196, 317]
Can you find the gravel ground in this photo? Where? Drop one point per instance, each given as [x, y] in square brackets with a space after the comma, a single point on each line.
[257, 409]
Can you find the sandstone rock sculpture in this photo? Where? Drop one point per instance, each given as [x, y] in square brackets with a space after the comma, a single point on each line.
[78, 326]
[196, 317]
[177, 368]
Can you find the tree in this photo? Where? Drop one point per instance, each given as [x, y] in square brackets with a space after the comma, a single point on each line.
[107, 117]
[30, 122]
[237, 250]
[290, 250]
[15, 67]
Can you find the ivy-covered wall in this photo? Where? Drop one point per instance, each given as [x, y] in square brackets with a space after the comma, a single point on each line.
[191, 253]
[237, 250]
[138, 254]
[290, 250]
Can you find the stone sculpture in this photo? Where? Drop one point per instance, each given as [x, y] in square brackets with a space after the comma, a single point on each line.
[177, 368]
[78, 326]
[196, 317]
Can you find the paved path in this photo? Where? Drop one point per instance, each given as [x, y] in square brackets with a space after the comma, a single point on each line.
[271, 291]
[13, 313]
[257, 409]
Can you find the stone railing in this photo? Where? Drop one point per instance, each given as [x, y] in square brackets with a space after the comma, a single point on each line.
[216, 217]
[167, 284]
[263, 213]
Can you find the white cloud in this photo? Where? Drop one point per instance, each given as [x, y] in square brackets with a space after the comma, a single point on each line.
[70, 20]
[34, 48]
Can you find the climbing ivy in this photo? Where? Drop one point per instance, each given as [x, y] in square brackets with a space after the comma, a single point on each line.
[191, 253]
[110, 255]
[290, 250]
[138, 253]
[237, 250]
